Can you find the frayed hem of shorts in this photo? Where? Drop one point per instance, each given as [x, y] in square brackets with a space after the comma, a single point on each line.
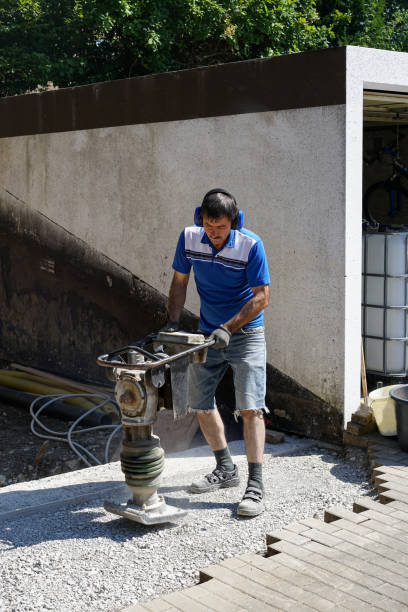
[258, 411]
[202, 410]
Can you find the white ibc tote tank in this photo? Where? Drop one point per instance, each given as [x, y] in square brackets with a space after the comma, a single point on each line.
[385, 308]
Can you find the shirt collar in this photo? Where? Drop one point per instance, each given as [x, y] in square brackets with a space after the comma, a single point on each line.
[230, 240]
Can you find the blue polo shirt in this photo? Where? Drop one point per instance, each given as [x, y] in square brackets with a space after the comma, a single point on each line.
[224, 278]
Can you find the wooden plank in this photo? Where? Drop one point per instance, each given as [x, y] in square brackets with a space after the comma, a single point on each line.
[266, 594]
[243, 600]
[183, 602]
[212, 600]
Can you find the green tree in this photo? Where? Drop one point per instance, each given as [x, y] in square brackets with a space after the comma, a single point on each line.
[381, 24]
[71, 42]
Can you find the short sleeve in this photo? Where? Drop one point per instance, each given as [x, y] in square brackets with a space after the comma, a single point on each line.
[180, 261]
[257, 266]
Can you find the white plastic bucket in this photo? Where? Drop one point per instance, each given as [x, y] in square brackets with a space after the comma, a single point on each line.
[383, 407]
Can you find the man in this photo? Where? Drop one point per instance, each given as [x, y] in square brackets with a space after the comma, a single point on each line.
[232, 279]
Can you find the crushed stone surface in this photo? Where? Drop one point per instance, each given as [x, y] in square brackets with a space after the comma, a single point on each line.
[79, 557]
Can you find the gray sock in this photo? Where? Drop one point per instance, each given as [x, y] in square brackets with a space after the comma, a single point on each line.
[255, 473]
[224, 459]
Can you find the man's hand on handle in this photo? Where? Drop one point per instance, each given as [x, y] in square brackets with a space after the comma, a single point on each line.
[222, 336]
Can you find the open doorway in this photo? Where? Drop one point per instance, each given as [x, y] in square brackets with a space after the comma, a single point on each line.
[385, 237]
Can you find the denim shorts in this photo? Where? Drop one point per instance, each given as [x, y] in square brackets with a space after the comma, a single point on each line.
[246, 354]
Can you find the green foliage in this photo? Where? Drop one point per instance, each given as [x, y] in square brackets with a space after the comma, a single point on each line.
[72, 42]
[381, 24]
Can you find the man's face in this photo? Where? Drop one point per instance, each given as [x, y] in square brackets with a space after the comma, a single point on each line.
[217, 230]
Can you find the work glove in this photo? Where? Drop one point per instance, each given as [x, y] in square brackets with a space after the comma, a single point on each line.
[222, 336]
[171, 326]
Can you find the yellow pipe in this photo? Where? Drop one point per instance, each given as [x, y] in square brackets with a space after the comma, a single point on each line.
[108, 408]
[41, 389]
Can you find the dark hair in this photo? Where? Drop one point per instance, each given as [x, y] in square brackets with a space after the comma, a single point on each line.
[219, 203]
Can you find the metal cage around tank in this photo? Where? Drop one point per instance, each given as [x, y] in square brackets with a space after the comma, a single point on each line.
[385, 302]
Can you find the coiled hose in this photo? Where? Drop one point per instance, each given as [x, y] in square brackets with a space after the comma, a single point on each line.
[66, 436]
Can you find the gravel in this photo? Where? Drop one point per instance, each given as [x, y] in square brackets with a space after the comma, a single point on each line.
[79, 557]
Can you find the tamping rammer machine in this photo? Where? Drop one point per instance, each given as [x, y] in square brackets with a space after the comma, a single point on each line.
[150, 375]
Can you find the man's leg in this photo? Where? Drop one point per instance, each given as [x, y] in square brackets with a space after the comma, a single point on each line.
[247, 356]
[213, 429]
[254, 436]
[204, 379]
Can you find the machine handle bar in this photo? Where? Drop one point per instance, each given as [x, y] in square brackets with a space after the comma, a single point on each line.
[104, 361]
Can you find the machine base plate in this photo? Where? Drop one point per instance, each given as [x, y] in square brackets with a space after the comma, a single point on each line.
[160, 514]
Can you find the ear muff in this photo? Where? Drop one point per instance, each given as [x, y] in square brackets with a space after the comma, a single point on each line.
[239, 224]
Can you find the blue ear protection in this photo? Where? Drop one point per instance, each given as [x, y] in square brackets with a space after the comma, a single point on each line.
[240, 220]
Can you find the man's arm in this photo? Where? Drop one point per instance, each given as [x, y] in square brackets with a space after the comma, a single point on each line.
[177, 296]
[258, 302]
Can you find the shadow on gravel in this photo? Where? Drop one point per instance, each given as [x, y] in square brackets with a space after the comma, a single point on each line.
[23, 501]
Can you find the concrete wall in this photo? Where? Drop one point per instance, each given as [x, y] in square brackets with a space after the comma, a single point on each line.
[128, 191]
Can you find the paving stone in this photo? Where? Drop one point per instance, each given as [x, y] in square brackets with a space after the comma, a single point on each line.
[386, 519]
[395, 593]
[393, 495]
[296, 527]
[243, 600]
[378, 555]
[288, 536]
[313, 523]
[372, 565]
[398, 505]
[366, 503]
[323, 536]
[212, 600]
[183, 602]
[336, 513]
[263, 594]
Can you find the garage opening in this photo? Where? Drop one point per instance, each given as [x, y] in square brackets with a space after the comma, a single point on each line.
[385, 238]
